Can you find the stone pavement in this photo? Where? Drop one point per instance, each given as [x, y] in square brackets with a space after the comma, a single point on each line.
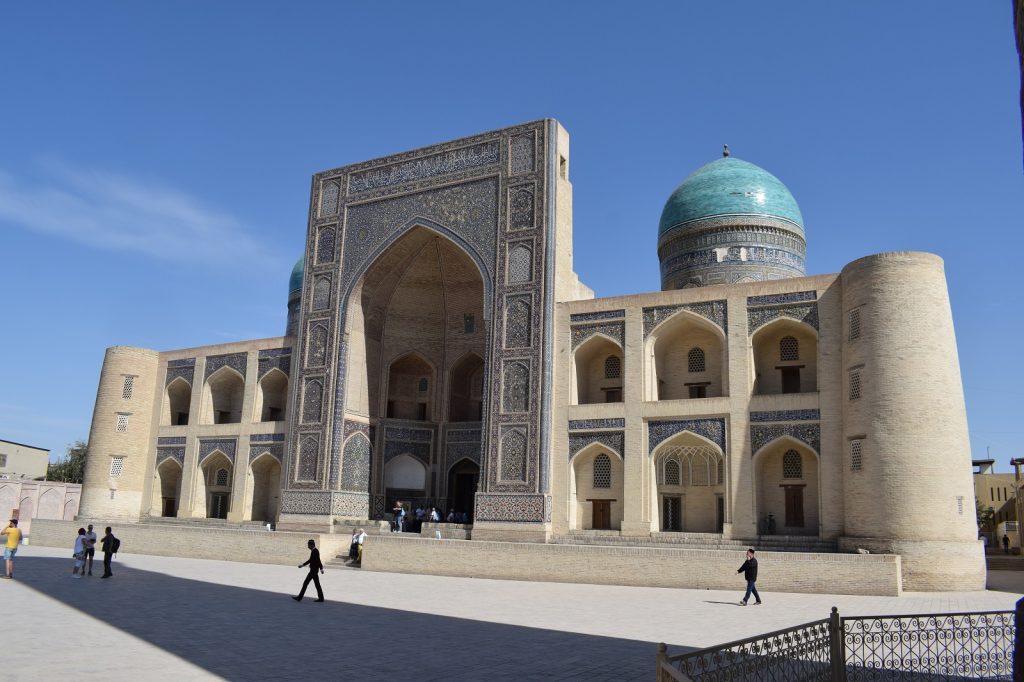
[165, 618]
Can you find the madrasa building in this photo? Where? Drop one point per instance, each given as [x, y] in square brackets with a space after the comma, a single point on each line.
[440, 350]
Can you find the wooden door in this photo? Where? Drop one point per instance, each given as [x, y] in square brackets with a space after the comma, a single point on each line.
[795, 506]
[602, 519]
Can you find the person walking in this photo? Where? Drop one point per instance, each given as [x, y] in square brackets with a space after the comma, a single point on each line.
[399, 513]
[13, 534]
[749, 571]
[109, 545]
[314, 563]
[90, 549]
[1006, 543]
[79, 554]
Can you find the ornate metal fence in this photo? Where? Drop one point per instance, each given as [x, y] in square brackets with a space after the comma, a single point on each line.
[949, 646]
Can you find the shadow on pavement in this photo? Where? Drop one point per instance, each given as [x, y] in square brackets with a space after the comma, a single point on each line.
[245, 634]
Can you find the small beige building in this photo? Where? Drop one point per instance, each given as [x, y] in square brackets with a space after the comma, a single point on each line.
[18, 460]
[996, 492]
[440, 350]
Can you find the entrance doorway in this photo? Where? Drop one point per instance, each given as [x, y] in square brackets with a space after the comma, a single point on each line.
[462, 482]
[794, 506]
[672, 514]
[720, 513]
[602, 518]
[169, 507]
[218, 506]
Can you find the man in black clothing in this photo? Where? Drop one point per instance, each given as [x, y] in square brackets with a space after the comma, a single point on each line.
[108, 551]
[314, 564]
[749, 571]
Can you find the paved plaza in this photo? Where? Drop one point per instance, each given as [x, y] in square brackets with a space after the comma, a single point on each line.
[188, 619]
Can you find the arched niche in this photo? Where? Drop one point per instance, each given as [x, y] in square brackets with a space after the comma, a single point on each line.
[167, 488]
[271, 397]
[463, 479]
[410, 388]
[465, 389]
[176, 403]
[222, 397]
[263, 486]
[786, 483]
[687, 359]
[405, 472]
[213, 486]
[785, 354]
[688, 485]
[596, 489]
[597, 372]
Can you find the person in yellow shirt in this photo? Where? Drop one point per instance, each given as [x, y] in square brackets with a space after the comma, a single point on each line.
[13, 540]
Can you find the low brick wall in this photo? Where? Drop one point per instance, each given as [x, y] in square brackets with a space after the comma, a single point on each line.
[226, 544]
[870, 574]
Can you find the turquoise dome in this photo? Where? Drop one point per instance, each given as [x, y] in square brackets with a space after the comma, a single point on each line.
[295, 281]
[729, 186]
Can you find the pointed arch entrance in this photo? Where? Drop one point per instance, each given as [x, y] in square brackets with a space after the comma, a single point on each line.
[463, 479]
[689, 485]
[417, 339]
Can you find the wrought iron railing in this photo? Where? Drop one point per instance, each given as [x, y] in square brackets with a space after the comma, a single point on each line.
[949, 646]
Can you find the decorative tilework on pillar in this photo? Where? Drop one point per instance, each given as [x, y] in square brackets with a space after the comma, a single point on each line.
[659, 431]
[511, 508]
[355, 464]
[778, 299]
[786, 416]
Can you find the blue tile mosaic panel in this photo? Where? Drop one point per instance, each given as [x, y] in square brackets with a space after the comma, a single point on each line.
[171, 440]
[614, 330]
[615, 440]
[267, 438]
[715, 311]
[275, 450]
[236, 361]
[355, 466]
[659, 431]
[209, 445]
[601, 315]
[588, 424]
[786, 416]
[177, 454]
[758, 317]
[434, 165]
[762, 434]
[779, 299]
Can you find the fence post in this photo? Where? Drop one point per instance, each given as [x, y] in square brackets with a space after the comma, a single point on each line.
[836, 647]
[1018, 641]
[661, 658]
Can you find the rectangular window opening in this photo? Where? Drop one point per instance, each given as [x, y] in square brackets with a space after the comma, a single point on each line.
[854, 324]
[790, 379]
[127, 387]
[698, 391]
[856, 456]
[468, 324]
[116, 466]
[854, 385]
[122, 423]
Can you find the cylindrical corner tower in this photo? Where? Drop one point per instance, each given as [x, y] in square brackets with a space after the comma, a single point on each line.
[730, 221]
[295, 297]
[121, 436]
[907, 459]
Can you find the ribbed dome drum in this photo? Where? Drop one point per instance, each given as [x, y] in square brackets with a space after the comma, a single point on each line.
[730, 221]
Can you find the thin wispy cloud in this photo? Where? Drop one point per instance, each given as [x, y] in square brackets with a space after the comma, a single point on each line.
[119, 213]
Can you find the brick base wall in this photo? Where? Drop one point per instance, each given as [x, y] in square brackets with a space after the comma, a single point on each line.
[871, 574]
[252, 546]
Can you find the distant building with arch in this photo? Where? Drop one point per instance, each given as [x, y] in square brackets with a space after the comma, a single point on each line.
[440, 350]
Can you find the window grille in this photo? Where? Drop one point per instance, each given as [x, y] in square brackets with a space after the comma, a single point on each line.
[122, 423]
[789, 349]
[116, 466]
[854, 324]
[671, 472]
[854, 385]
[3, 460]
[126, 389]
[423, 384]
[612, 367]
[792, 465]
[222, 477]
[695, 360]
[856, 456]
[602, 472]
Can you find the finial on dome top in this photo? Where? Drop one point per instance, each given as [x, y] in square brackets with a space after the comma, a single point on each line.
[725, 151]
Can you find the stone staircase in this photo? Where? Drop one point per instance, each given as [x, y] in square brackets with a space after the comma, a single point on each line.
[203, 523]
[768, 543]
[1004, 562]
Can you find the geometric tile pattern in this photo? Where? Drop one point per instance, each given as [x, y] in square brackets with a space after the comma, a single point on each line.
[225, 445]
[603, 315]
[614, 330]
[173, 440]
[778, 299]
[612, 439]
[713, 429]
[512, 508]
[177, 454]
[581, 424]
[802, 312]
[276, 451]
[786, 416]
[236, 361]
[762, 434]
[184, 369]
[355, 467]
[715, 311]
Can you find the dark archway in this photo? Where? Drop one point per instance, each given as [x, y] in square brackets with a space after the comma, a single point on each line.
[463, 479]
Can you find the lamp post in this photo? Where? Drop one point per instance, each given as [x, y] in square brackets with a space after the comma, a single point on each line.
[1018, 503]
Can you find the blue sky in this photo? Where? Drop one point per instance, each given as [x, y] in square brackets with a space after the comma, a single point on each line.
[155, 158]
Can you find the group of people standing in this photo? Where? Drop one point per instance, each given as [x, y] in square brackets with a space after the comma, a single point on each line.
[85, 550]
[400, 523]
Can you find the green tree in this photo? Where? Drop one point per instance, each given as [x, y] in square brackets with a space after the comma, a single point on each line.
[986, 516]
[70, 468]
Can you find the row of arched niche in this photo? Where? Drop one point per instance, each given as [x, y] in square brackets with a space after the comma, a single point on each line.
[214, 492]
[687, 487]
[687, 357]
[222, 399]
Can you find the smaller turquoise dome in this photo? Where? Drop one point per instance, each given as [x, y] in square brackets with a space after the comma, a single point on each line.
[729, 186]
[295, 281]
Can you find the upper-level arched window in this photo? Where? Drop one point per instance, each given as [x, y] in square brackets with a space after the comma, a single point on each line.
[789, 349]
[612, 367]
[671, 472]
[222, 477]
[695, 360]
[792, 465]
[602, 471]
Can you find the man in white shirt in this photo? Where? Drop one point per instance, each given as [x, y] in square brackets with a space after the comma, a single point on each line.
[358, 537]
[79, 554]
[90, 550]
